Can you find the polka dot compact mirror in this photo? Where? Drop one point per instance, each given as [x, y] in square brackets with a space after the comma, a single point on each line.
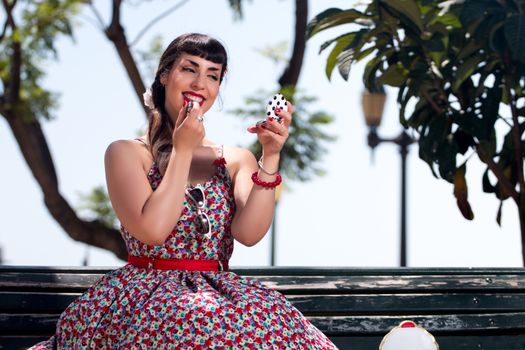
[277, 101]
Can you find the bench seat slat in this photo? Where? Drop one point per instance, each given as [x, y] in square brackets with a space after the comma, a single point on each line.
[35, 302]
[408, 303]
[508, 342]
[331, 325]
[436, 324]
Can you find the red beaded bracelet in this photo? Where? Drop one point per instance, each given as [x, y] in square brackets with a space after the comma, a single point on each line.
[256, 180]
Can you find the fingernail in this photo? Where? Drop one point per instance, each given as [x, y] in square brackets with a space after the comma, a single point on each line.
[269, 119]
[277, 110]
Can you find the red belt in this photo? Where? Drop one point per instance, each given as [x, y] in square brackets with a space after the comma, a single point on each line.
[177, 264]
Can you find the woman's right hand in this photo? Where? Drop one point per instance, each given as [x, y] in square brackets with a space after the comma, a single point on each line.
[189, 131]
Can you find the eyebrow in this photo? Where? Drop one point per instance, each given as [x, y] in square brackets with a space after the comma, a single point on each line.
[193, 63]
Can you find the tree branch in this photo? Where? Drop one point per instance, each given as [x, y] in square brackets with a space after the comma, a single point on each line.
[9, 12]
[156, 20]
[4, 30]
[430, 100]
[290, 76]
[115, 33]
[97, 15]
[13, 85]
[33, 145]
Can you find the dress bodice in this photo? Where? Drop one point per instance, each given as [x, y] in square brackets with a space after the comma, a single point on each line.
[184, 242]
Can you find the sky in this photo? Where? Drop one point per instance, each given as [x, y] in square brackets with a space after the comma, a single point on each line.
[349, 217]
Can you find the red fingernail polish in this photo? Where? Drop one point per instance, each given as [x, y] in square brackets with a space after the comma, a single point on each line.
[277, 110]
[269, 119]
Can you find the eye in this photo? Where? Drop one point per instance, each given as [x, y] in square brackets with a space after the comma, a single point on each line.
[213, 77]
[188, 69]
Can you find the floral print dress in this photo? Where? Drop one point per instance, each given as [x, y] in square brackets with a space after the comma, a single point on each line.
[146, 308]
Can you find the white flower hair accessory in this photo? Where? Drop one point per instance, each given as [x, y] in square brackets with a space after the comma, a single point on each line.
[148, 99]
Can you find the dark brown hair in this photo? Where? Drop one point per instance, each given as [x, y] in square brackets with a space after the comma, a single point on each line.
[160, 127]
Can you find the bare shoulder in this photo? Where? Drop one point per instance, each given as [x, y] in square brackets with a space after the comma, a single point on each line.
[238, 160]
[128, 151]
[238, 156]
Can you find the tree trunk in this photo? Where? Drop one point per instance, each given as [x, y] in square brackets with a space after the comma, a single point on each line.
[34, 148]
[290, 77]
[28, 133]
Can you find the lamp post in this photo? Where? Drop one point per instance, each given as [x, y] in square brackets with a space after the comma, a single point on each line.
[273, 233]
[373, 104]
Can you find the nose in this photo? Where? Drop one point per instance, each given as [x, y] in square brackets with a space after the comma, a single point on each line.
[198, 82]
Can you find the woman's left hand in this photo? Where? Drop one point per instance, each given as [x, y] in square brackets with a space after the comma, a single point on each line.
[271, 134]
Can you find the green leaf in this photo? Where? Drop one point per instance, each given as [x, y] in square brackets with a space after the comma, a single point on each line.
[489, 144]
[487, 186]
[496, 37]
[450, 20]
[435, 44]
[330, 18]
[344, 63]
[336, 39]
[346, 57]
[464, 141]
[371, 68]
[395, 75]
[470, 48]
[489, 110]
[470, 123]
[364, 53]
[446, 158]
[420, 115]
[515, 35]
[461, 192]
[409, 9]
[331, 61]
[465, 71]
[431, 139]
[498, 216]
[474, 11]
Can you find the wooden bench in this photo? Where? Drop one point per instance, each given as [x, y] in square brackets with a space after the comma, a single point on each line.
[463, 308]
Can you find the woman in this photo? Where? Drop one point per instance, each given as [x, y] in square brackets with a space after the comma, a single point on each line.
[182, 200]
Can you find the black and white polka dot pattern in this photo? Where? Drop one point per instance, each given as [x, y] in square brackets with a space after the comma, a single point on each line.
[277, 101]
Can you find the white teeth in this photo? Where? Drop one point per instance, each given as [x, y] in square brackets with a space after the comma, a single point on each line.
[193, 98]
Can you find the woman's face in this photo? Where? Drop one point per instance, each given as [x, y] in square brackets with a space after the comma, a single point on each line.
[191, 78]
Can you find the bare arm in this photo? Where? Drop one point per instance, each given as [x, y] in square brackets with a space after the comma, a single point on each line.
[148, 215]
[255, 204]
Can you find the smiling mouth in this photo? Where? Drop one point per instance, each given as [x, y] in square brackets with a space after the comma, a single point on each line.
[193, 98]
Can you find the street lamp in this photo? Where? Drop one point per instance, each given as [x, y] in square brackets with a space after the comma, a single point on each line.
[373, 104]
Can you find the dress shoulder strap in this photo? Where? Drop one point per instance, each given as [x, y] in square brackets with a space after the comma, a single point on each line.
[140, 139]
[220, 157]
